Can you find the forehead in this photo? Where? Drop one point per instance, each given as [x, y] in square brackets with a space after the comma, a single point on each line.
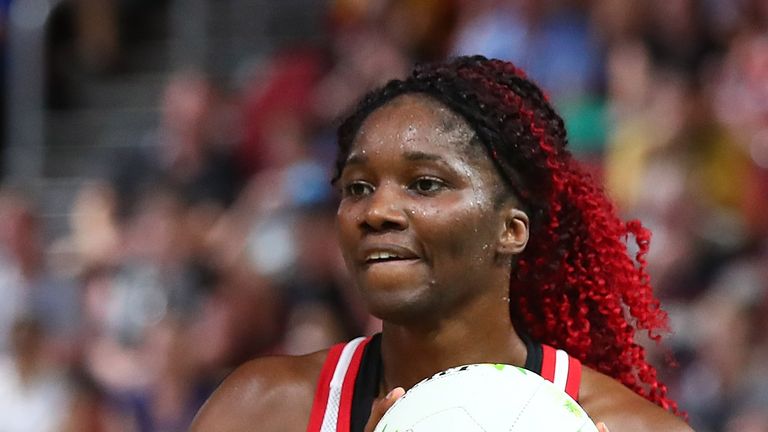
[420, 123]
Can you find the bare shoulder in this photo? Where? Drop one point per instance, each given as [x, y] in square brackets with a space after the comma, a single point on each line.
[622, 410]
[275, 393]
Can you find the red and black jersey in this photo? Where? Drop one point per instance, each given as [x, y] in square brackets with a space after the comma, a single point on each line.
[349, 381]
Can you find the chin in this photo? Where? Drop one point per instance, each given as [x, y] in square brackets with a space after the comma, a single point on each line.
[401, 306]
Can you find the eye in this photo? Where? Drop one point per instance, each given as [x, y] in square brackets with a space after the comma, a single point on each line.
[428, 185]
[358, 189]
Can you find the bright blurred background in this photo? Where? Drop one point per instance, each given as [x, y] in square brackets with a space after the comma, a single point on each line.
[166, 214]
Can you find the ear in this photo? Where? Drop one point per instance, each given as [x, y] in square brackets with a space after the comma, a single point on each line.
[514, 237]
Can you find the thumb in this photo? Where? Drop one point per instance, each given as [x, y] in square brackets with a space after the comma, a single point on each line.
[601, 427]
[380, 406]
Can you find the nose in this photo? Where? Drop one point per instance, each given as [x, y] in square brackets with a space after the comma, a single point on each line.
[385, 210]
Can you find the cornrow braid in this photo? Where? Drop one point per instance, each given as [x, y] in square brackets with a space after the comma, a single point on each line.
[575, 286]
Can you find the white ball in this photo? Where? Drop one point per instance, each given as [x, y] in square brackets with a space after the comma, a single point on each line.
[485, 398]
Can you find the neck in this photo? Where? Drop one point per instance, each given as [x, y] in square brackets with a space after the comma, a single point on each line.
[483, 333]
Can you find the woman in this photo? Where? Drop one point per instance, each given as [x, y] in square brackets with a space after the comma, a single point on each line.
[473, 234]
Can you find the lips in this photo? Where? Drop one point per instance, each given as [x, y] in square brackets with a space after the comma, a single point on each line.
[385, 253]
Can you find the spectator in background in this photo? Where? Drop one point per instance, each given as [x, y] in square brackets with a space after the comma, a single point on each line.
[556, 44]
[178, 383]
[422, 30]
[680, 38]
[34, 394]
[278, 95]
[190, 156]
[553, 41]
[28, 286]
[145, 313]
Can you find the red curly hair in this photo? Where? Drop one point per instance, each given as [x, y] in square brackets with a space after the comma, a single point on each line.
[576, 286]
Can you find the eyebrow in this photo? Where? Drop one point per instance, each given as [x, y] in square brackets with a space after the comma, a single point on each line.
[413, 156]
[417, 156]
[356, 159]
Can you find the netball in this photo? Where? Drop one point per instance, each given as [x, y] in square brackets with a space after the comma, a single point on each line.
[485, 398]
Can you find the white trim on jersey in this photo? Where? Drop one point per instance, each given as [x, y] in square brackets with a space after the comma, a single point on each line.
[331, 417]
[561, 369]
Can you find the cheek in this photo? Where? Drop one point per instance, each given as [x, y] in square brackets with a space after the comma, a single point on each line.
[463, 231]
[346, 228]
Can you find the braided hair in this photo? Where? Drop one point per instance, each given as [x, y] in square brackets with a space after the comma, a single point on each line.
[575, 286]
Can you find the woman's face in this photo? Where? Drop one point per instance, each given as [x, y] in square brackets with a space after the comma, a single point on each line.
[422, 212]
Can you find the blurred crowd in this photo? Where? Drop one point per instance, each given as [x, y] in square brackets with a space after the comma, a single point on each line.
[213, 241]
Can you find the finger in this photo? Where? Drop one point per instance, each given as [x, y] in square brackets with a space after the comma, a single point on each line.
[601, 427]
[380, 406]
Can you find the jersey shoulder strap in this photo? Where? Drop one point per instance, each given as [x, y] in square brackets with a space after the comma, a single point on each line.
[332, 406]
[562, 369]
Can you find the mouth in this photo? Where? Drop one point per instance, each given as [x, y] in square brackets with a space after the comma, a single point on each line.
[387, 254]
[382, 257]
